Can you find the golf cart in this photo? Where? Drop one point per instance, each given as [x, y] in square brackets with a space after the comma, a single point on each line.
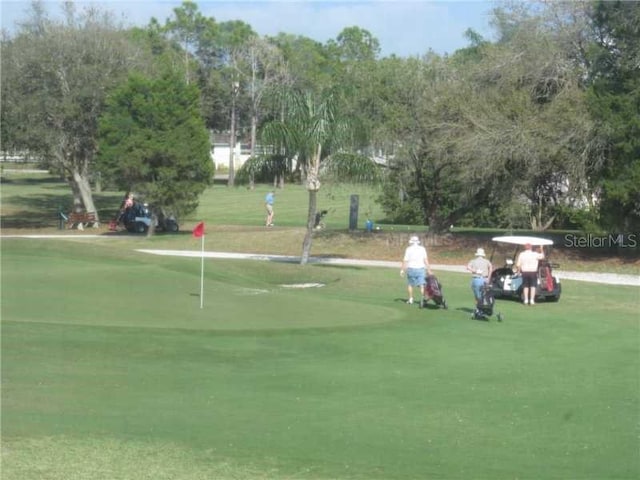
[507, 283]
[138, 218]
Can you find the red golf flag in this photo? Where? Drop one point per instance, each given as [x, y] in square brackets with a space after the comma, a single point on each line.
[199, 230]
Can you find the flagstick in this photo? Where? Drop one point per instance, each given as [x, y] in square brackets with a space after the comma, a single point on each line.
[202, 275]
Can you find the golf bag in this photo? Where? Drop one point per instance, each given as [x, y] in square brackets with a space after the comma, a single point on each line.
[485, 304]
[433, 291]
[319, 223]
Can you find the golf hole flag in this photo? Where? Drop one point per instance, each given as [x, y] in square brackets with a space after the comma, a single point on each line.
[198, 231]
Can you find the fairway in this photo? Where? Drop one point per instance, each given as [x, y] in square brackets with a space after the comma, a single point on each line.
[111, 370]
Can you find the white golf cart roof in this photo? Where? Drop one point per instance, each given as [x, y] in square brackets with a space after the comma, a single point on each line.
[522, 240]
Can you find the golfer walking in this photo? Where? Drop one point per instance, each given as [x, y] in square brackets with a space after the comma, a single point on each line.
[481, 269]
[415, 264]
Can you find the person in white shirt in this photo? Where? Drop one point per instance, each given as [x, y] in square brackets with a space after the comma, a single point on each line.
[527, 265]
[415, 264]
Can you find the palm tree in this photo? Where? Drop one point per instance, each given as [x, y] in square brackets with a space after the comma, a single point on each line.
[309, 130]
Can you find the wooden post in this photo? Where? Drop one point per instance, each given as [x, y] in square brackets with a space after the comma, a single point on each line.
[353, 212]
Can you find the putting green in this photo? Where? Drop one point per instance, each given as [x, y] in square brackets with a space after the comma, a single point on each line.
[96, 286]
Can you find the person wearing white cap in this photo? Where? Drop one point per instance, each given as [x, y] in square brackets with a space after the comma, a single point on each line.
[481, 269]
[415, 264]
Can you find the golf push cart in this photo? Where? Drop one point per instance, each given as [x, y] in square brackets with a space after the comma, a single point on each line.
[506, 282]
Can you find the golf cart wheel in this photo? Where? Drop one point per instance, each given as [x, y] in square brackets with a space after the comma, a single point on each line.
[172, 227]
[553, 298]
[140, 227]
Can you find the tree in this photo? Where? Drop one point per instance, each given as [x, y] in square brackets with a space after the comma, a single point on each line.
[219, 50]
[424, 111]
[187, 27]
[614, 101]
[540, 64]
[493, 124]
[356, 77]
[355, 44]
[260, 68]
[56, 75]
[153, 141]
[234, 36]
[308, 64]
[310, 130]
[266, 72]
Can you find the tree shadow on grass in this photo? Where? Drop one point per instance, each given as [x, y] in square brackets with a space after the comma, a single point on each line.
[28, 220]
[43, 210]
[33, 181]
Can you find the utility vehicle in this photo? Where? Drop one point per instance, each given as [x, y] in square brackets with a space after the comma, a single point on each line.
[506, 282]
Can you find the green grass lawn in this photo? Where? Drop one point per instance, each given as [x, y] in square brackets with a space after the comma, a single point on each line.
[234, 219]
[33, 200]
[222, 205]
[110, 370]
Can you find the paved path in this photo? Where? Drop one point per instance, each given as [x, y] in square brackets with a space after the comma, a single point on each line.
[607, 278]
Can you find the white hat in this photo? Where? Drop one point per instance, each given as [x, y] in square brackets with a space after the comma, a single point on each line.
[414, 239]
[480, 252]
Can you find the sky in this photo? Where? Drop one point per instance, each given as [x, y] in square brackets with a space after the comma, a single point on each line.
[403, 27]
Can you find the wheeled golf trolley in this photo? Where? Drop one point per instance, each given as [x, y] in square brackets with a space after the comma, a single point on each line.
[433, 291]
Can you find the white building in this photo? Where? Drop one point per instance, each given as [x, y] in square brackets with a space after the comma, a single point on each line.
[220, 151]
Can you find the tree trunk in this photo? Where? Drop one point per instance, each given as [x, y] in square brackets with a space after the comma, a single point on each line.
[254, 133]
[77, 198]
[311, 217]
[252, 147]
[548, 223]
[83, 187]
[232, 144]
[152, 228]
[313, 186]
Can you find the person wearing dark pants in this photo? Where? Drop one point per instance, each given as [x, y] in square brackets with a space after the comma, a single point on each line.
[527, 266]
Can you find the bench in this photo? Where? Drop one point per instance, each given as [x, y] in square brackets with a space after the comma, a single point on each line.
[82, 219]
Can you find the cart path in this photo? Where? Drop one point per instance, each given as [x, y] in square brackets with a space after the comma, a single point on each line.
[594, 277]
[606, 278]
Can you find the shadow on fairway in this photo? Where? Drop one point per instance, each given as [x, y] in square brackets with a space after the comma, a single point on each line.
[465, 309]
[432, 306]
[487, 318]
